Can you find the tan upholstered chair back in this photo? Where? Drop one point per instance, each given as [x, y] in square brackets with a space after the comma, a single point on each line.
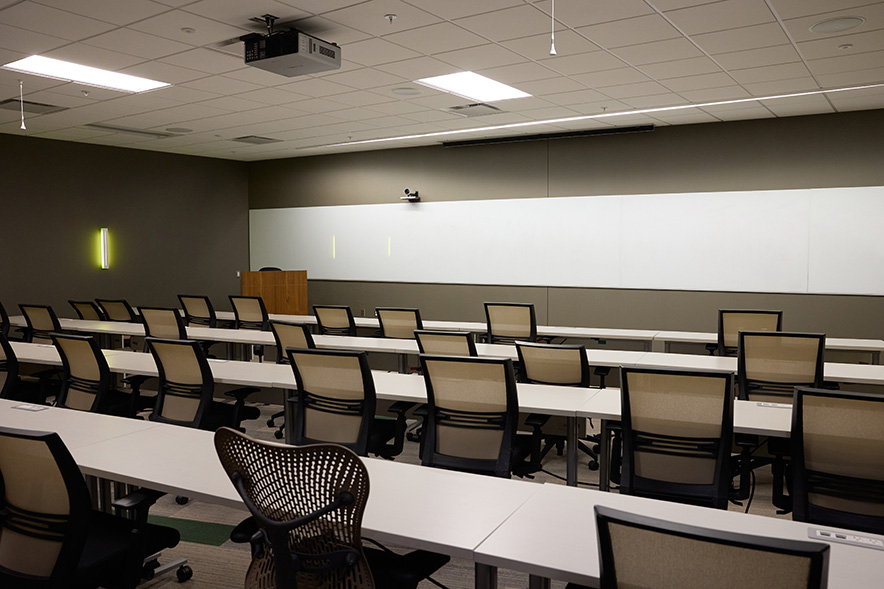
[286, 483]
[116, 310]
[197, 309]
[771, 365]
[332, 396]
[290, 335]
[734, 322]
[399, 323]
[554, 364]
[839, 466]
[41, 322]
[86, 310]
[36, 507]
[334, 320]
[183, 392]
[85, 372]
[446, 343]
[471, 399]
[510, 322]
[248, 309]
[163, 323]
[644, 553]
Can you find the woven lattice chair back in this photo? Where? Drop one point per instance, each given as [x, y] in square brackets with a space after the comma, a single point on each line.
[508, 322]
[86, 374]
[446, 343]
[290, 335]
[117, 310]
[732, 321]
[771, 364]
[283, 484]
[42, 321]
[335, 320]
[86, 310]
[399, 323]
[250, 312]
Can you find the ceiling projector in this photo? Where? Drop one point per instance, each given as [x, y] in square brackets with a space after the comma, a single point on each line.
[290, 53]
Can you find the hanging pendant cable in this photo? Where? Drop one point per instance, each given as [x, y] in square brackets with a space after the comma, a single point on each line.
[21, 102]
[552, 38]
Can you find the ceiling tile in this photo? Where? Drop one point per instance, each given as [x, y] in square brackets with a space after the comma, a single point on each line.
[51, 21]
[703, 81]
[576, 98]
[775, 87]
[112, 11]
[861, 43]
[714, 94]
[870, 76]
[579, 13]
[481, 57]
[721, 16]
[369, 17]
[436, 38]
[615, 77]
[163, 72]
[537, 46]
[509, 23]
[634, 90]
[737, 60]
[655, 101]
[204, 60]
[94, 56]
[800, 105]
[416, 69]
[799, 28]
[171, 25]
[657, 51]
[26, 41]
[137, 43]
[551, 86]
[846, 63]
[681, 68]
[315, 87]
[452, 9]
[754, 37]
[632, 31]
[377, 51]
[238, 13]
[365, 78]
[221, 85]
[522, 72]
[270, 96]
[583, 63]
[770, 73]
[798, 8]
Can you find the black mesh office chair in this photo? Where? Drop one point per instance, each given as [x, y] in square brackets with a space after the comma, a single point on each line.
[51, 536]
[306, 526]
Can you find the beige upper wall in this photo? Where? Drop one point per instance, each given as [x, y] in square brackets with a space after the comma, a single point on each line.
[796, 152]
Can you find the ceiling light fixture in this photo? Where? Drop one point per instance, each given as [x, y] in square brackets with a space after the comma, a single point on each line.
[597, 116]
[74, 72]
[473, 86]
[838, 24]
[552, 36]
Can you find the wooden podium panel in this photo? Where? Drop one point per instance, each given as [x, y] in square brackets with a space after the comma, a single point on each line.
[284, 292]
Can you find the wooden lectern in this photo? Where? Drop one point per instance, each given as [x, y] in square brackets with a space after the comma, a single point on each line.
[284, 292]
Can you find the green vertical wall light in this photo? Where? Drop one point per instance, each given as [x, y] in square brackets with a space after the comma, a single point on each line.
[104, 248]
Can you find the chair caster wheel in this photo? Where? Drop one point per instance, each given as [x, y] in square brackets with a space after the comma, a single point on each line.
[593, 465]
[181, 500]
[184, 573]
[596, 448]
[270, 423]
[149, 568]
[277, 434]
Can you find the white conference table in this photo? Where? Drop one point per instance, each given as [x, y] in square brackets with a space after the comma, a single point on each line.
[533, 398]
[663, 341]
[553, 536]
[409, 505]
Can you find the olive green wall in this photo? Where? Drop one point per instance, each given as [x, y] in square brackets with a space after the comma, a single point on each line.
[798, 152]
[177, 224]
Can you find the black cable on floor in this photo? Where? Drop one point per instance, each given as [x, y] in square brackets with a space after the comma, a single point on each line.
[385, 549]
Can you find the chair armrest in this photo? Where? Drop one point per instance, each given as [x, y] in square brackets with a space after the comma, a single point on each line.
[422, 410]
[536, 420]
[241, 393]
[401, 407]
[140, 499]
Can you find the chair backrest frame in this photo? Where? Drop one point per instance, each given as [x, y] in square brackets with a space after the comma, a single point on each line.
[87, 310]
[399, 322]
[557, 364]
[118, 310]
[446, 343]
[163, 323]
[684, 554]
[506, 322]
[290, 335]
[86, 373]
[175, 396]
[335, 320]
[8, 368]
[198, 310]
[779, 385]
[249, 313]
[732, 321]
[41, 320]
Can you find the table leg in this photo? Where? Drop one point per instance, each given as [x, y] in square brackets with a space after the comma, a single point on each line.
[403, 363]
[535, 582]
[486, 576]
[571, 451]
[604, 457]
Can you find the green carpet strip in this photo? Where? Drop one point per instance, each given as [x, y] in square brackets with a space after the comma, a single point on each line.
[194, 531]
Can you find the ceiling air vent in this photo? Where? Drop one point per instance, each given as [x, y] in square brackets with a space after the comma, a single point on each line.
[35, 108]
[256, 140]
[473, 110]
[129, 130]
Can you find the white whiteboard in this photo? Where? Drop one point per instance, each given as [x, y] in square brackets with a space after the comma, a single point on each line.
[795, 241]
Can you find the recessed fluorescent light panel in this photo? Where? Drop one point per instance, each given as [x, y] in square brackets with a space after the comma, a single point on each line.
[473, 86]
[74, 72]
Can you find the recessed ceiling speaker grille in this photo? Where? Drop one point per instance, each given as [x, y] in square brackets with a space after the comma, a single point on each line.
[256, 140]
[36, 108]
[473, 110]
